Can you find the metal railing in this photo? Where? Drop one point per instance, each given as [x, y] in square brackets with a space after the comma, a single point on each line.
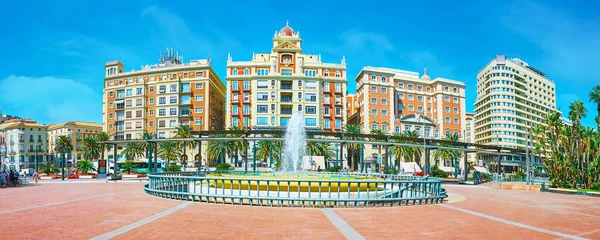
[260, 189]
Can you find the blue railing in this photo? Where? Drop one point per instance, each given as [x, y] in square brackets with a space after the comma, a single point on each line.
[272, 189]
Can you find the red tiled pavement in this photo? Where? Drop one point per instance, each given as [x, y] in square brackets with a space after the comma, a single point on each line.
[90, 211]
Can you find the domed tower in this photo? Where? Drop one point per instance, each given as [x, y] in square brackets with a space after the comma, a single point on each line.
[286, 34]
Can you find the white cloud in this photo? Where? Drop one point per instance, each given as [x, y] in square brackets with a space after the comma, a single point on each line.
[50, 99]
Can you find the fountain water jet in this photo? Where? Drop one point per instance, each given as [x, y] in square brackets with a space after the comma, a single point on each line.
[294, 146]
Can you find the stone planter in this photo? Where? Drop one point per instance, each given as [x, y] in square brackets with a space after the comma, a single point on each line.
[130, 175]
[86, 176]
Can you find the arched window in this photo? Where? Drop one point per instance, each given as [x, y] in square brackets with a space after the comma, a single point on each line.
[454, 90]
[326, 73]
[383, 79]
[337, 73]
[246, 72]
[235, 72]
[373, 78]
[446, 88]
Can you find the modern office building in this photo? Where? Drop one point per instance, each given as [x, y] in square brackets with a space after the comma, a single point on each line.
[265, 91]
[160, 97]
[395, 100]
[512, 96]
[77, 132]
[470, 135]
[25, 142]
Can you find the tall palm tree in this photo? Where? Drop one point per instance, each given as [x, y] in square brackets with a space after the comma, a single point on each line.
[102, 137]
[401, 152]
[379, 132]
[185, 131]
[267, 149]
[595, 97]
[415, 151]
[238, 146]
[133, 150]
[217, 149]
[447, 154]
[168, 151]
[91, 148]
[63, 145]
[576, 111]
[353, 149]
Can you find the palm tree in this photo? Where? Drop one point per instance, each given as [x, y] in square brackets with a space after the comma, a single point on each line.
[168, 151]
[380, 133]
[401, 152]
[185, 131]
[353, 149]
[63, 145]
[133, 150]
[217, 149]
[595, 97]
[238, 146]
[267, 149]
[102, 137]
[91, 148]
[84, 166]
[415, 151]
[447, 154]
[128, 166]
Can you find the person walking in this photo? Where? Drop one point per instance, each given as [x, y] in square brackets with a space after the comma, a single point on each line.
[16, 178]
[3, 181]
[36, 176]
[11, 178]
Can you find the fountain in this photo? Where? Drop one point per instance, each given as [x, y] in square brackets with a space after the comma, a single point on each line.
[294, 146]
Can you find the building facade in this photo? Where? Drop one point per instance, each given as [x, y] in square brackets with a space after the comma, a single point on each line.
[512, 96]
[160, 97]
[470, 135]
[266, 91]
[397, 101]
[25, 142]
[77, 132]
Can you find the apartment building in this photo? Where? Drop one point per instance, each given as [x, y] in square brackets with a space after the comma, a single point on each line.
[395, 100]
[470, 135]
[25, 142]
[512, 96]
[160, 97]
[77, 132]
[351, 105]
[264, 92]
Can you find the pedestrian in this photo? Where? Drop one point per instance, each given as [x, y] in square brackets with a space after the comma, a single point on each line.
[3, 181]
[36, 176]
[11, 178]
[16, 178]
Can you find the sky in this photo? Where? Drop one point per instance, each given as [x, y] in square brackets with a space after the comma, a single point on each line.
[54, 52]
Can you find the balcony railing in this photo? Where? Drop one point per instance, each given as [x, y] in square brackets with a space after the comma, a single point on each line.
[286, 87]
[286, 99]
[286, 111]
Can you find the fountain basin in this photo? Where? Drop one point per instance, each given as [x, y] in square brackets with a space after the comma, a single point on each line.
[293, 182]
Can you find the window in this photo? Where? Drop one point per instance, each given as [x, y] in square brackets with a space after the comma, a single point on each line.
[326, 99]
[311, 122]
[234, 97]
[373, 78]
[161, 123]
[420, 109]
[446, 88]
[397, 129]
[234, 110]
[455, 120]
[151, 112]
[173, 99]
[128, 103]
[151, 101]
[410, 87]
[138, 102]
[383, 90]
[420, 98]
[151, 124]
[311, 110]
[311, 97]
[138, 113]
[374, 126]
[235, 72]
[273, 119]
[384, 127]
[286, 72]
[234, 121]
[455, 110]
[454, 90]
[162, 89]
[262, 84]
[326, 111]
[262, 121]
[162, 112]
[411, 108]
[199, 109]
[201, 85]
[337, 74]
[338, 87]
[455, 100]
[173, 88]
[234, 85]
[262, 96]
[383, 112]
[128, 114]
[162, 100]
[383, 101]
[262, 109]
[246, 97]
[200, 97]
[419, 88]
[447, 119]
[446, 98]
[326, 123]
[411, 97]
[128, 92]
[338, 124]
[173, 111]
[373, 100]
[246, 121]
[326, 73]
[173, 123]
[246, 109]
[447, 109]
[197, 122]
[383, 79]
[373, 112]
[338, 111]
[326, 86]
[311, 85]
[138, 91]
[373, 89]
[246, 72]
[401, 96]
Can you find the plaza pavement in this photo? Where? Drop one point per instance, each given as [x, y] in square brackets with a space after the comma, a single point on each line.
[101, 210]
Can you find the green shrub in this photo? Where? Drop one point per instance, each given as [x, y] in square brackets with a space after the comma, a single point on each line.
[84, 166]
[224, 167]
[391, 171]
[127, 166]
[173, 168]
[595, 186]
[437, 172]
[334, 169]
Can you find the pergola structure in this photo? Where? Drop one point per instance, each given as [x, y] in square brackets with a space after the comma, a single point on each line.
[334, 137]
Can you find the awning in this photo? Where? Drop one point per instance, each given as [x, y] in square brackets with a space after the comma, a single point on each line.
[481, 169]
[410, 167]
[447, 169]
[118, 101]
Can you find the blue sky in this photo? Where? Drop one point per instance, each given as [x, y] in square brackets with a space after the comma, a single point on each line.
[54, 51]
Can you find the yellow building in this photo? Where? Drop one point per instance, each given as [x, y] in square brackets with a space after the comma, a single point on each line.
[76, 131]
[25, 141]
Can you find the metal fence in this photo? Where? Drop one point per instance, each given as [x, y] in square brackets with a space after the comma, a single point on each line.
[251, 188]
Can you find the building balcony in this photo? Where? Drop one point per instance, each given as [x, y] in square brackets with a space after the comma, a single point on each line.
[31, 140]
[286, 87]
[338, 102]
[21, 141]
[286, 111]
[286, 99]
[326, 102]
[326, 89]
